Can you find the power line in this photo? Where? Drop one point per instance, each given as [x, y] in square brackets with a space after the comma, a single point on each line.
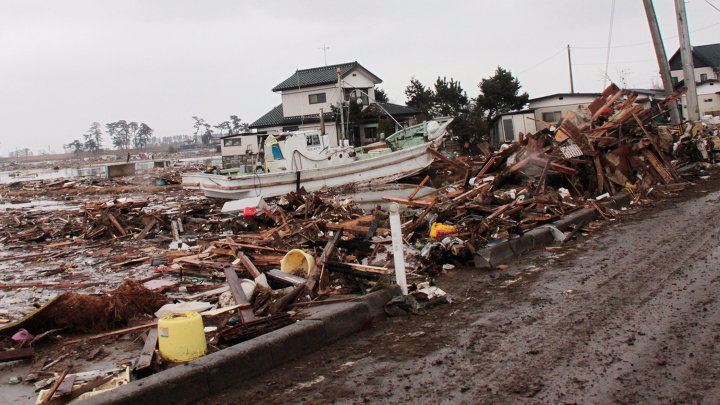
[712, 5]
[536, 64]
[643, 43]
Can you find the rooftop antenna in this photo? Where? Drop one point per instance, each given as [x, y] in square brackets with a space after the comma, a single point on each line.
[324, 49]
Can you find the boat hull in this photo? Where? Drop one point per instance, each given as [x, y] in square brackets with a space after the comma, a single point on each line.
[365, 172]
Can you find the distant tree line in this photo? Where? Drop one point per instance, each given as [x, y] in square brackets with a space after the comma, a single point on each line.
[204, 131]
[122, 134]
[498, 94]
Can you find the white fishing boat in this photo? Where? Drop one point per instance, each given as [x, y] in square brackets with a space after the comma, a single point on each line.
[304, 159]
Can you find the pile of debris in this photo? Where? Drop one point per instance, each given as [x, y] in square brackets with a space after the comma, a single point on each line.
[256, 267]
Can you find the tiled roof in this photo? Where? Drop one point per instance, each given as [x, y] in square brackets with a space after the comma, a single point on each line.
[319, 76]
[274, 118]
[703, 56]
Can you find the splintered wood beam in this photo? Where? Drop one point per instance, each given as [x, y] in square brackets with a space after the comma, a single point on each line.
[419, 219]
[659, 168]
[248, 264]
[422, 183]
[414, 203]
[610, 102]
[668, 166]
[309, 285]
[330, 247]
[146, 230]
[17, 354]
[116, 224]
[146, 355]
[231, 277]
[458, 164]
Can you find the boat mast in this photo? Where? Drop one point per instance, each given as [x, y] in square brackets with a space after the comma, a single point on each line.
[342, 102]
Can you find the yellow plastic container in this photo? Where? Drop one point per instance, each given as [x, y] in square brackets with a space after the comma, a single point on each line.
[439, 230]
[298, 263]
[181, 336]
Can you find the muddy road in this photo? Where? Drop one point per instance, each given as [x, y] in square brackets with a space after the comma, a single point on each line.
[626, 314]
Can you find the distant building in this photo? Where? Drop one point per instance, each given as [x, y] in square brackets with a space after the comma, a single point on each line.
[706, 62]
[308, 93]
[241, 149]
[547, 109]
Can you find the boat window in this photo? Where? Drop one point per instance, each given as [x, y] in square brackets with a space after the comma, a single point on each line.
[277, 154]
[313, 140]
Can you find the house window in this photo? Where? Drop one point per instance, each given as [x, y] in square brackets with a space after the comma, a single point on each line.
[290, 129]
[233, 142]
[675, 80]
[317, 98]
[371, 134]
[708, 100]
[703, 77]
[552, 116]
[509, 131]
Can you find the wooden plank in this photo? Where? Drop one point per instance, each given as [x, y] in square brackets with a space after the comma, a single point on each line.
[419, 219]
[116, 224]
[113, 333]
[144, 233]
[422, 183]
[360, 230]
[452, 162]
[662, 171]
[327, 251]
[54, 387]
[144, 361]
[91, 385]
[17, 354]
[248, 264]
[67, 385]
[414, 203]
[247, 315]
[5, 259]
[289, 279]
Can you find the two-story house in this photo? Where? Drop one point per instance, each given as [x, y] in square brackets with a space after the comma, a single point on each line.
[706, 62]
[309, 93]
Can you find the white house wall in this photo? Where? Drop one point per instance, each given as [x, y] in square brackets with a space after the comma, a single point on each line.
[330, 129]
[708, 99]
[520, 125]
[246, 141]
[678, 74]
[297, 102]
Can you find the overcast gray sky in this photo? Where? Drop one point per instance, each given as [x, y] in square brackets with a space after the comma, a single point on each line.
[65, 64]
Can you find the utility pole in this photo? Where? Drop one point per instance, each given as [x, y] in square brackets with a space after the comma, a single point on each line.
[324, 49]
[342, 107]
[693, 114]
[572, 86]
[662, 59]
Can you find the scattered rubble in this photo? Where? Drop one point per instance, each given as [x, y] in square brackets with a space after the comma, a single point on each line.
[97, 263]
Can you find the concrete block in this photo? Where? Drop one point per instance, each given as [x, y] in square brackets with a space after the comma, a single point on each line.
[541, 237]
[344, 320]
[522, 244]
[375, 301]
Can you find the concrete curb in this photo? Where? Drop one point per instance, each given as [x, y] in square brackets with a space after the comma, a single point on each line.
[490, 257]
[195, 380]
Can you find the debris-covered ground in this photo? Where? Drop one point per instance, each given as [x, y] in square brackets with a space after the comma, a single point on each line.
[625, 314]
[90, 264]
